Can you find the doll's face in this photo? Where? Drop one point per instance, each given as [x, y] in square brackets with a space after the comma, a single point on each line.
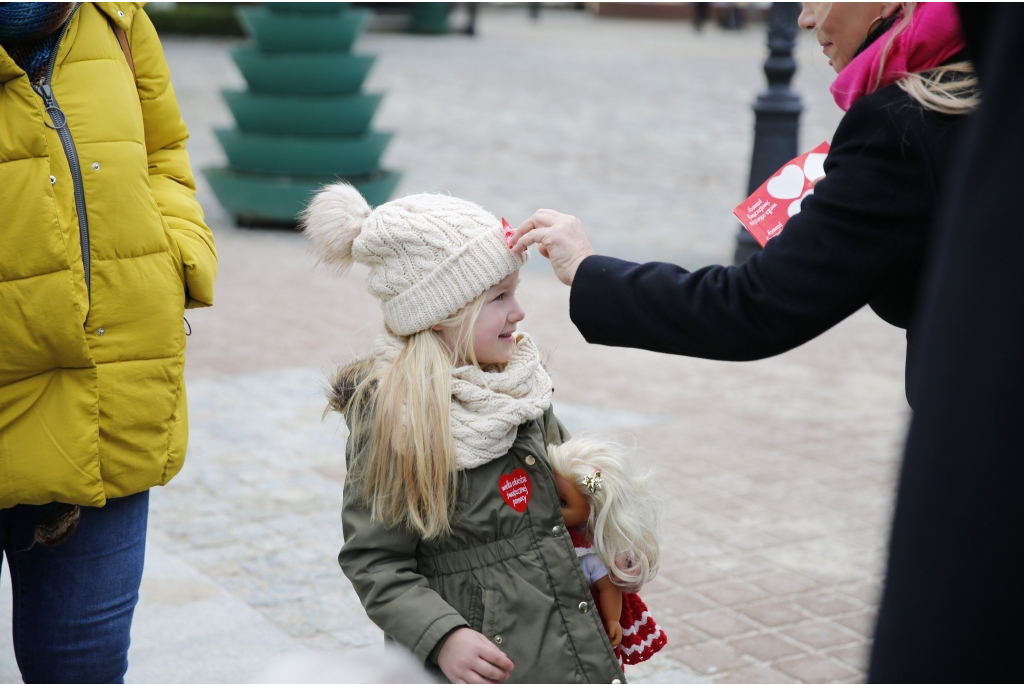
[575, 508]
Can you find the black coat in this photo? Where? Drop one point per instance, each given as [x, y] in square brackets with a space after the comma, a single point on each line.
[953, 607]
[861, 238]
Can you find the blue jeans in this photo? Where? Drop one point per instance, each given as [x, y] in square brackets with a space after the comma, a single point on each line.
[73, 603]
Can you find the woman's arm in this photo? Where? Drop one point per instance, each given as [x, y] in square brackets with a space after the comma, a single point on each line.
[170, 174]
[865, 226]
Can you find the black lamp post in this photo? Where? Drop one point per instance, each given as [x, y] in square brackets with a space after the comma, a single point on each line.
[776, 112]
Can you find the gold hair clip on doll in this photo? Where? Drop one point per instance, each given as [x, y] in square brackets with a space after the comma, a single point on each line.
[612, 518]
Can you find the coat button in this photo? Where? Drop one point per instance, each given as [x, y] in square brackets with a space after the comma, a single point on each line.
[95, 166]
[530, 460]
[557, 531]
[120, 14]
[497, 639]
[616, 682]
[100, 331]
[53, 179]
[584, 607]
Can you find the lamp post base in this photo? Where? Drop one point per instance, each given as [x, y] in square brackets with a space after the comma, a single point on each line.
[776, 113]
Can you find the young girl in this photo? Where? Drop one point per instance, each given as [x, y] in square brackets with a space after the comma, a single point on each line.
[454, 539]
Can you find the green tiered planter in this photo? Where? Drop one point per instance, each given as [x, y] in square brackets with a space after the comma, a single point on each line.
[430, 17]
[303, 121]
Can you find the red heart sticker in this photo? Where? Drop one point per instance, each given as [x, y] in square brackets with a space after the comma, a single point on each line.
[515, 489]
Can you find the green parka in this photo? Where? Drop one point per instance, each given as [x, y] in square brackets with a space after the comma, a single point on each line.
[512, 576]
[92, 344]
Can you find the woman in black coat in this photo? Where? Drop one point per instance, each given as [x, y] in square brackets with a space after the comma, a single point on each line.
[861, 238]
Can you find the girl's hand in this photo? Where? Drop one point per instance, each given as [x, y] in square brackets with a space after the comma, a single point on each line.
[614, 630]
[559, 237]
[469, 657]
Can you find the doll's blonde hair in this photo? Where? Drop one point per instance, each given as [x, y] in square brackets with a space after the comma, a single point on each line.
[400, 416]
[624, 512]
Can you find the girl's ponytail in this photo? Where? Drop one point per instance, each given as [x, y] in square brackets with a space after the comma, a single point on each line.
[411, 474]
[400, 421]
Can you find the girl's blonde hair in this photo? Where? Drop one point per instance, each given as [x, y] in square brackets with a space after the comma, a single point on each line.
[400, 416]
[949, 89]
[624, 512]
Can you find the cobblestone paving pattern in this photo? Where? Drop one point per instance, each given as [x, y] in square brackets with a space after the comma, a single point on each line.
[777, 474]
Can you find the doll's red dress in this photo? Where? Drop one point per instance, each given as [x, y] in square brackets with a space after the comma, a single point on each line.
[642, 638]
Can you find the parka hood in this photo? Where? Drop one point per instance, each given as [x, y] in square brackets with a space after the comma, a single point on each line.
[341, 390]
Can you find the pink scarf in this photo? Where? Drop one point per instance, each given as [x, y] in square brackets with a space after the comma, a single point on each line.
[932, 37]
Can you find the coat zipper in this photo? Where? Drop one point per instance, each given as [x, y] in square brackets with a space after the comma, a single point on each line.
[60, 124]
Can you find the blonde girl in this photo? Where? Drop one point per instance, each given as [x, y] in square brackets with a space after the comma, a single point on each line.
[454, 539]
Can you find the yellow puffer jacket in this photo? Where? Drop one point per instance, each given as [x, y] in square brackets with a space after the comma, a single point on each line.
[92, 397]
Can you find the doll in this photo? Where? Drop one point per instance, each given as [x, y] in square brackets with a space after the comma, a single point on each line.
[612, 518]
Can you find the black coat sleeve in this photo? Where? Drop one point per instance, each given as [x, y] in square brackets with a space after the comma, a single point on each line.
[855, 237]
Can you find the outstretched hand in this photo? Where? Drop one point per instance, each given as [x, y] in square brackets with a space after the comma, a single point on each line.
[559, 237]
[469, 657]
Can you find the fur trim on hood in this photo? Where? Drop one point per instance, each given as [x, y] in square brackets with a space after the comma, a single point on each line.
[343, 388]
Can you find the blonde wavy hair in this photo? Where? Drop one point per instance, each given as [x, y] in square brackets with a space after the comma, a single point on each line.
[400, 417]
[624, 512]
[949, 89]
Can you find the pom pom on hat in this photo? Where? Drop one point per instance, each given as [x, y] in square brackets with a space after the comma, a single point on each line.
[333, 220]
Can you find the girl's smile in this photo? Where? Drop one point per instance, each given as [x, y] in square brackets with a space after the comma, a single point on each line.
[495, 329]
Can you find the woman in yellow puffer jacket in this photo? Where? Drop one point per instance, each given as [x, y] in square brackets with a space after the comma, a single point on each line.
[102, 247]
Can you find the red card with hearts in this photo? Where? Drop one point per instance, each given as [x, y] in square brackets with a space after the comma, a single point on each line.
[766, 212]
[515, 489]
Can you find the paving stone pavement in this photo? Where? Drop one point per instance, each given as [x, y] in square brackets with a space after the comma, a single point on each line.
[777, 475]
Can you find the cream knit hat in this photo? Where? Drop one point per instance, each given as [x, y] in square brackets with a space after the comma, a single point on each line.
[429, 255]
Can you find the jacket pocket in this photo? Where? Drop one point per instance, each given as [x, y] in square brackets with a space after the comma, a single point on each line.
[491, 623]
[475, 618]
[178, 264]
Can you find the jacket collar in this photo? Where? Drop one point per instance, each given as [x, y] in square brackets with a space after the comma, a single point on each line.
[121, 13]
[8, 69]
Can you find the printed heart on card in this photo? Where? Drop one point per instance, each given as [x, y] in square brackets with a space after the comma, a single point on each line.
[788, 184]
[515, 489]
[794, 207]
[768, 208]
[814, 166]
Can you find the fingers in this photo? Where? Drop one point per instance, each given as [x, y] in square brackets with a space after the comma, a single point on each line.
[542, 218]
[491, 665]
[534, 236]
[469, 657]
[488, 672]
[495, 657]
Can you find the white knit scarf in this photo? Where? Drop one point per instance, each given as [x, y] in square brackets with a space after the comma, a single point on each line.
[488, 406]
